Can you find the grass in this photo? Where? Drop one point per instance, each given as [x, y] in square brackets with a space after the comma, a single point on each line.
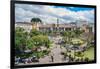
[89, 53]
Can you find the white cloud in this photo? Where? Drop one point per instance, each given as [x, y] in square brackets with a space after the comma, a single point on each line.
[49, 14]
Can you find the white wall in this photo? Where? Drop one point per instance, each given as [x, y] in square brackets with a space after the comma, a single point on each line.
[5, 34]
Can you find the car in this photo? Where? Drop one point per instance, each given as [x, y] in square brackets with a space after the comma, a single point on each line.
[34, 59]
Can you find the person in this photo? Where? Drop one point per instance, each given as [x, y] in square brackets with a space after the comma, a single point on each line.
[52, 58]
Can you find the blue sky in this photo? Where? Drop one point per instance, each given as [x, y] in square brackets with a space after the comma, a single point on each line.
[79, 9]
[75, 8]
[49, 14]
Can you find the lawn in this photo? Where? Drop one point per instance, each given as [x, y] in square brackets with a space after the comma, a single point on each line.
[89, 53]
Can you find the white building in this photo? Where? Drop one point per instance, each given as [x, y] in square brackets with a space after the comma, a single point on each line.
[25, 25]
[55, 27]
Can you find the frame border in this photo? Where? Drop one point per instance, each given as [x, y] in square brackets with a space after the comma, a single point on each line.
[12, 31]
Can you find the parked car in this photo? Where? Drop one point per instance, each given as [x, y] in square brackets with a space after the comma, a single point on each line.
[34, 59]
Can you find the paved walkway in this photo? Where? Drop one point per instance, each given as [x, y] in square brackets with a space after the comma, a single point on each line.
[55, 52]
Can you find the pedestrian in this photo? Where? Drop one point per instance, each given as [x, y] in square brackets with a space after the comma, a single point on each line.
[52, 58]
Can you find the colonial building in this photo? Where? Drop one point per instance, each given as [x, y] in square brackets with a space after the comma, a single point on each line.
[56, 27]
[47, 27]
[53, 27]
[25, 25]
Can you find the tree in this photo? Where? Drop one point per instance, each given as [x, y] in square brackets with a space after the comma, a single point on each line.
[38, 41]
[67, 35]
[30, 44]
[20, 39]
[78, 32]
[34, 32]
[36, 20]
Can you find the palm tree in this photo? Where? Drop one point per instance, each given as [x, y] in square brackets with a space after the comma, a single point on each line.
[36, 21]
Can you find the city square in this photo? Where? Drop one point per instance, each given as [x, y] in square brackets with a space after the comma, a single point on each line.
[52, 38]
